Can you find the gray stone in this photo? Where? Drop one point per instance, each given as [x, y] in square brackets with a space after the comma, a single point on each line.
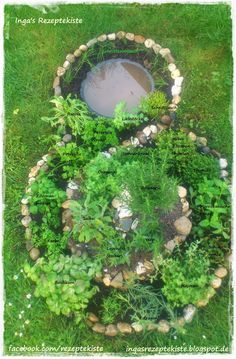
[202, 141]
[142, 137]
[149, 43]
[29, 245]
[205, 150]
[169, 58]
[57, 91]
[91, 42]
[26, 221]
[125, 224]
[223, 163]
[121, 35]
[67, 138]
[124, 212]
[170, 245]
[28, 233]
[164, 52]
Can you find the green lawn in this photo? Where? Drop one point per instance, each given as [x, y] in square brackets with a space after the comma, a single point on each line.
[199, 37]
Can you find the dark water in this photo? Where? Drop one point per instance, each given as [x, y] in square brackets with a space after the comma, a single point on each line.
[113, 81]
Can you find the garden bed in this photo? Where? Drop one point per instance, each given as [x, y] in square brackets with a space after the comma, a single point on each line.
[145, 167]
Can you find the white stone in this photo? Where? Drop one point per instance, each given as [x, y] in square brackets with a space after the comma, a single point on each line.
[31, 180]
[91, 42]
[73, 185]
[106, 154]
[164, 52]
[134, 141]
[134, 224]
[26, 221]
[45, 157]
[102, 38]
[223, 163]
[189, 312]
[83, 48]
[40, 163]
[216, 282]
[171, 67]
[175, 90]
[111, 37]
[124, 212]
[192, 136]
[149, 43]
[140, 269]
[66, 65]
[179, 80]
[156, 48]
[224, 174]
[221, 272]
[175, 73]
[116, 203]
[25, 200]
[129, 36]
[147, 131]
[182, 192]
[112, 150]
[137, 327]
[153, 128]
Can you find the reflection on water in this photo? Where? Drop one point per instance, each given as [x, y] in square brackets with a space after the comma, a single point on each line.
[113, 81]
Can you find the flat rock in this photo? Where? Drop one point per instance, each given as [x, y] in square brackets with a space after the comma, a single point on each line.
[164, 52]
[107, 280]
[83, 48]
[124, 212]
[125, 224]
[56, 82]
[178, 80]
[57, 91]
[183, 225]
[140, 268]
[126, 143]
[192, 136]
[185, 207]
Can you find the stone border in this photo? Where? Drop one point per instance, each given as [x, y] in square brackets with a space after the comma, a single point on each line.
[139, 39]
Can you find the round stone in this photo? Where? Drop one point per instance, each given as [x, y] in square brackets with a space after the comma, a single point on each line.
[166, 120]
[183, 225]
[171, 67]
[223, 163]
[26, 221]
[25, 210]
[170, 245]
[70, 58]
[83, 48]
[111, 37]
[91, 42]
[77, 53]
[176, 99]
[138, 328]
[121, 35]
[216, 283]
[185, 206]
[164, 52]
[102, 38]
[163, 326]
[153, 129]
[34, 254]
[182, 192]
[99, 328]
[66, 65]
[116, 203]
[178, 80]
[139, 39]
[201, 141]
[147, 131]
[224, 174]
[175, 74]
[40, 163]
[189, 312]
[221, 272]
[129, 36]
[67, 138]
[93, 318]
[149, 43]
[124, 328]
[192, 136]
[60, 71]
[111, 330]
[134, 141]
[34, 171]
[156, 48]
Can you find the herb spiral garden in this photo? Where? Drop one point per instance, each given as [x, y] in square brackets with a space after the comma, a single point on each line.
[127, 217]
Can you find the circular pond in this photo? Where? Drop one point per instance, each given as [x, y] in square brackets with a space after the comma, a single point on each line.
[113, 81]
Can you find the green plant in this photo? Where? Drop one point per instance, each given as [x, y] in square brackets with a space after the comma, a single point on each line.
[72, 113]
[154, 104]
[182, 159]
[65, 282]
[141, 302]
[124, 119]
[186, 278]
[111, 308]
[211, 218]
[45, 206]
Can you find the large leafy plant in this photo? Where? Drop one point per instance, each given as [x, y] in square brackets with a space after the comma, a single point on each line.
[65, 282]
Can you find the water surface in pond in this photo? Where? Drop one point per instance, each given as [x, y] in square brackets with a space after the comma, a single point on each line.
[113, 81]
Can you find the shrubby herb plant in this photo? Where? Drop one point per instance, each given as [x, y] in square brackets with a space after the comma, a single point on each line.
[154, 104]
